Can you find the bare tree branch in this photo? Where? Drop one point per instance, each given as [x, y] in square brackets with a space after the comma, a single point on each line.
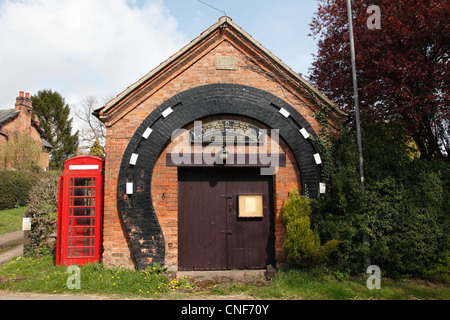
[93, 129]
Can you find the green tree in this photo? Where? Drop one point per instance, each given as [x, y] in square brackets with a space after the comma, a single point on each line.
[53, 113]
[96, 149]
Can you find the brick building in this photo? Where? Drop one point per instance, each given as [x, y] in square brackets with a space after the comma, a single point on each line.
[202, 152]
[19, 120]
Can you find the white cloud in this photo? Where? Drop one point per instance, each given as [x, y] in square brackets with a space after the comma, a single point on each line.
[83, 47]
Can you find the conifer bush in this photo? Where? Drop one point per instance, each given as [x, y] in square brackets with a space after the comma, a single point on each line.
[301, 244]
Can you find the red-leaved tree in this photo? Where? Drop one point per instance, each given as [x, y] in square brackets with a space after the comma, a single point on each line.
[402, 68]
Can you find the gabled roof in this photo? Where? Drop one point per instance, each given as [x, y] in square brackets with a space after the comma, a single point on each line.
[7, 114]
[225, 26]
[10, 114]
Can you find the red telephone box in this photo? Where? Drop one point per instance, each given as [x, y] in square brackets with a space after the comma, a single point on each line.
[80, 212]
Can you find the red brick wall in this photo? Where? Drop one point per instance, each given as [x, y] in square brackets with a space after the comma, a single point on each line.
[202, 72]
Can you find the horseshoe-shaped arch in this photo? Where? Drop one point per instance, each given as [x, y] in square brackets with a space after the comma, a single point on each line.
[136, 208]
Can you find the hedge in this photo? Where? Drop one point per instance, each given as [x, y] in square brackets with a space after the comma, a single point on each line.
[15, 187]
[403, 212]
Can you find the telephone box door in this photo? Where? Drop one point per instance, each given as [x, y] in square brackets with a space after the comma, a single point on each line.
[81, 211]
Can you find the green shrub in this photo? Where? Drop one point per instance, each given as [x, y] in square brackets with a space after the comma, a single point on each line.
[14, 188]
[301, 244]
[43, 211]
[404, 210]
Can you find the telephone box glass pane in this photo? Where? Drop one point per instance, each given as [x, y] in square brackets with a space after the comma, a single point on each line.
[82, 192]
[86, 232]
[83, 182]
[79, 242]
[80, 221]
[81, 211]
[81, 202]
[79, 252]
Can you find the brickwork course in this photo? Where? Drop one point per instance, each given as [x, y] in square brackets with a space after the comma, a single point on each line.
[224, 73]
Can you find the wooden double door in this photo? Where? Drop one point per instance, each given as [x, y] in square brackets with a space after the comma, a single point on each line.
[211, 233]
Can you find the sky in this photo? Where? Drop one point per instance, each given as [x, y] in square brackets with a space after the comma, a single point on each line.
[100, 47]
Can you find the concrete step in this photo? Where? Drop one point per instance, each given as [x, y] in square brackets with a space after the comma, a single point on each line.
[222, 276]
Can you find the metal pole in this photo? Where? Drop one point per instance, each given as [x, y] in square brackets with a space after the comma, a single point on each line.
[358, 126]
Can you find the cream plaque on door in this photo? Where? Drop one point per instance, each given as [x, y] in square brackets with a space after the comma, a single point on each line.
[250, 206]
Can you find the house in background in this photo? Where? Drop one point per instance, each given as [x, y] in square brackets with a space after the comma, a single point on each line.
[20, 121]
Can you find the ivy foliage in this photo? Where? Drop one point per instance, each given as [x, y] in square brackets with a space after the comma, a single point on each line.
[403, 210]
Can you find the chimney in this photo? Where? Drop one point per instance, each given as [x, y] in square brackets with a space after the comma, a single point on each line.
[23, 102]
[23, 106]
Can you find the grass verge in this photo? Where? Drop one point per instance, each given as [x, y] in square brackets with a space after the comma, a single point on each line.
[11, 219]
[319, 285]
[42, 276]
